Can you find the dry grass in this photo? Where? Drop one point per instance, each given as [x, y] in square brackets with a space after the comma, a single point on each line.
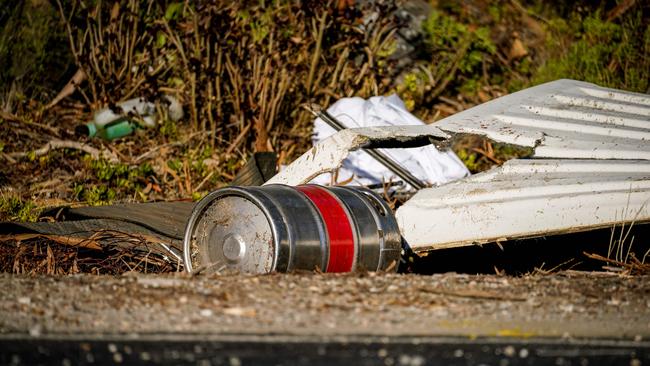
[622, 255]
[58, 256]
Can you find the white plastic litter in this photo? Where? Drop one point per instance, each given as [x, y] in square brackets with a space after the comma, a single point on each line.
[426, 163]
[139, 107]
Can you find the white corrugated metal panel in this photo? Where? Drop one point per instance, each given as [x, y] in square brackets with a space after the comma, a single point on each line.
[525, 198]
[564, 119]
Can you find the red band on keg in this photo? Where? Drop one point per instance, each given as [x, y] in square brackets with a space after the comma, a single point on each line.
[341, 255]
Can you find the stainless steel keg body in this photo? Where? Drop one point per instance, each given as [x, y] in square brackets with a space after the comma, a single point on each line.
[376, 228]
[281, 228]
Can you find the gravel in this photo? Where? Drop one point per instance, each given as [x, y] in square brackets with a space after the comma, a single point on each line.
[567, 304]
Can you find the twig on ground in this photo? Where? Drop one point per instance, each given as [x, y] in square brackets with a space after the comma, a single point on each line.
[65, 240]
[66, 144]
[12, 118]
[620, 9]
[525, 11]
[68, 89]
[238, 139]
[633, 265]
[205, 180]
[8, 158]
[474, 294]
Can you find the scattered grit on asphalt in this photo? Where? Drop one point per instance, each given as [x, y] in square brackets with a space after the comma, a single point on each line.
[568, 304]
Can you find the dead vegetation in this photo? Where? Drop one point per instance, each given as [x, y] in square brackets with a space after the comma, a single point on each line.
[243, 69]
[33, 254]
[239, 69]
[622, 255]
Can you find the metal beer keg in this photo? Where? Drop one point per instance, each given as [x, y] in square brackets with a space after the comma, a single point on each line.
[282, 228]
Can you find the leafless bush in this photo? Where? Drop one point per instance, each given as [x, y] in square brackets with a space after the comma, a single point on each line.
[241, 70]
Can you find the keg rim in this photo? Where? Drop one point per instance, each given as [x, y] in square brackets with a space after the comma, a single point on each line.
[201, 207]
[390, 243]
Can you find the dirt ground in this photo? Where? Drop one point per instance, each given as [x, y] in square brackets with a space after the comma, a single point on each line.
[568, 305]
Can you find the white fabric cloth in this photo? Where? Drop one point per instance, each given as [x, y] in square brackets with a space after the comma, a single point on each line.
[426, 163]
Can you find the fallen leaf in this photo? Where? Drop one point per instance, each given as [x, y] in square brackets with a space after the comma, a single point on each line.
[517, 50]
[483, 96]
[147, 189]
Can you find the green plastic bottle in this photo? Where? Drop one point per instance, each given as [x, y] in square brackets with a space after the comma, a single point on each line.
[114, 130]
[111, 124]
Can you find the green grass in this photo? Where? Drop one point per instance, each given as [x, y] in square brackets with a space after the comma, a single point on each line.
[110, 181]
[465, 53]
[456, 52]
[13, 208]
[610, 54]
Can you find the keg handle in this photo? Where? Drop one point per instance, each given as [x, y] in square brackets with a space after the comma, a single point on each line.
[376, 201]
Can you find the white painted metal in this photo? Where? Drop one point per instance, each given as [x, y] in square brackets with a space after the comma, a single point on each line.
[564, 119]
[526, 198]
[328, 154]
